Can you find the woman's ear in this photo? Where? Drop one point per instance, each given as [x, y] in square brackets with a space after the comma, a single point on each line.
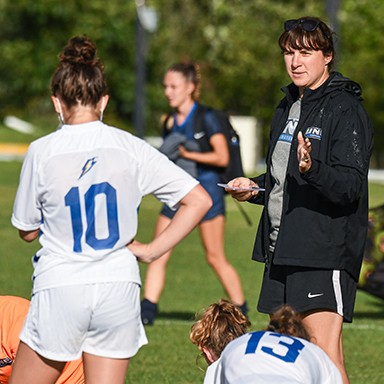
[209, 356]
[103, 103]
[57, 104]
[59, 110]
[191, 88]
[328, 59]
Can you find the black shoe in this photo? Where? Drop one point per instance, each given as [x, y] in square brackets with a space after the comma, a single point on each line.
[244, 309]
[148, 312]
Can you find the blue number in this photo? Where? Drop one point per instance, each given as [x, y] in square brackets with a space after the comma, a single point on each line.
[293, 348]
[113, 227]
[253, 342]
[72, 199]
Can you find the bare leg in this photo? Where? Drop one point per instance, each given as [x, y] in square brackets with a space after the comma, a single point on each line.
[326, 329]
[212, 235]
[156, 271]
[31, 368]
[103, 370]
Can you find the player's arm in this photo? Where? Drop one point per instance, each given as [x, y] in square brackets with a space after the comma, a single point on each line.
[29, 236]
[218, 157]
[193, 207]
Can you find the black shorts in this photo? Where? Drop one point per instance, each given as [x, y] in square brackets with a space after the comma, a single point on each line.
[308, 289]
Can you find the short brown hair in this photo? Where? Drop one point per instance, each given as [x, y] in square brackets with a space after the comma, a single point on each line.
[320, 39]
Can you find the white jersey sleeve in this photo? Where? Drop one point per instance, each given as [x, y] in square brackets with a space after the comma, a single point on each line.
[27, 214]
[161, 177]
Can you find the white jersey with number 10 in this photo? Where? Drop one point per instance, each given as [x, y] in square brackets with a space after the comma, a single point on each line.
[82, 187]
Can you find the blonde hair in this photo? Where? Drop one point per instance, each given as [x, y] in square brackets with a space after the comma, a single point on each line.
[218, 325]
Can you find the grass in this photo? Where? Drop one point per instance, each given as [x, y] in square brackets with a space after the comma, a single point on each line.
[191, 285]
[8, 135]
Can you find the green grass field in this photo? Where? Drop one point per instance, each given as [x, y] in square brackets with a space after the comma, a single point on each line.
[170, 357]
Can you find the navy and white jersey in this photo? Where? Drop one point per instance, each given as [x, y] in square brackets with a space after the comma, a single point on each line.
[82, 187]
[272, 358]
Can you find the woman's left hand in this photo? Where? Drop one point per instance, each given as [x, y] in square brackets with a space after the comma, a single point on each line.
[183, 151]
[304, 149]
[141, 251]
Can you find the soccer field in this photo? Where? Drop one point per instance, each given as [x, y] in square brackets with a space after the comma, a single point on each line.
[191, 285]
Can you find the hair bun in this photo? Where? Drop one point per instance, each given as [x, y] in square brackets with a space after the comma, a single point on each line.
[80, 50]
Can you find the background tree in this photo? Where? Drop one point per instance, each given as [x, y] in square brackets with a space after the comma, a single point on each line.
[362, 59]
[234, 42]
[32, 35]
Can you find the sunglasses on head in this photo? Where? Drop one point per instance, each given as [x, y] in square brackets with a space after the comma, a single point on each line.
[308, 25]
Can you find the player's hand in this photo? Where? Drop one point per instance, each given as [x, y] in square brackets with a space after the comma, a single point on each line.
[141, 251]
[241, 182]
[183, 151]
[304, 149]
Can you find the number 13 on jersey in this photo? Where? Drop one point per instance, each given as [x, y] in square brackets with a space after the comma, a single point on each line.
[283, 347]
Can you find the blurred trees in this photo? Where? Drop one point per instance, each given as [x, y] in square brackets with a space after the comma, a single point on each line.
[362, 59]
[34, 32]
[234, 42]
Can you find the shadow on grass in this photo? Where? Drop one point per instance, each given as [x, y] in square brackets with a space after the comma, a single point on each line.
[369, 314]
[376, 303]
[183, 316]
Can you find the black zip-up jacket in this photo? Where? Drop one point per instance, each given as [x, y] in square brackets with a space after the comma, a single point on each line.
[325, 211]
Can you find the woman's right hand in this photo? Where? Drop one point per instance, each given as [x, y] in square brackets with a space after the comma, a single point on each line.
[241, 182]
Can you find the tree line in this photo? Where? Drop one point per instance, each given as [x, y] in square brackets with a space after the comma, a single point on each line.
[234, 42]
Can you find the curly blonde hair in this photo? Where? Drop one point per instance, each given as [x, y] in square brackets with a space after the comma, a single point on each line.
[218, 325]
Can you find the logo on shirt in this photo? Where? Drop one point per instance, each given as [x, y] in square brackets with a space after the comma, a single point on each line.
[199, 135]
[87, 166]
[312, 295]
[6, 361]
[286, 138]
[314, 133]
[289, 129]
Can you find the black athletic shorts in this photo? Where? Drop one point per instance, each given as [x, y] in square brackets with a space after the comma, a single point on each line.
[307, 289]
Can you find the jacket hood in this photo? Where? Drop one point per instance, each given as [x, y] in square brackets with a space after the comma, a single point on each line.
[338, 81]
[334, 84]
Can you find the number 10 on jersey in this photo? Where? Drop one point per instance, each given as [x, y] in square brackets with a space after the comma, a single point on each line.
[73, 200]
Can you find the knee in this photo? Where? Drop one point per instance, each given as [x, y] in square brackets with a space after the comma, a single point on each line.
[216, 260]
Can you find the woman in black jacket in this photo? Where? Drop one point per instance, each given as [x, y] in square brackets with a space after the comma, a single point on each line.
[312, 232]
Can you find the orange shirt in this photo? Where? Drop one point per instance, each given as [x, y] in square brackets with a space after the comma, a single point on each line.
[13, 311]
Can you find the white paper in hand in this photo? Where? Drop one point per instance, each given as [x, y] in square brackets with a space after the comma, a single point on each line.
[240, 188]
